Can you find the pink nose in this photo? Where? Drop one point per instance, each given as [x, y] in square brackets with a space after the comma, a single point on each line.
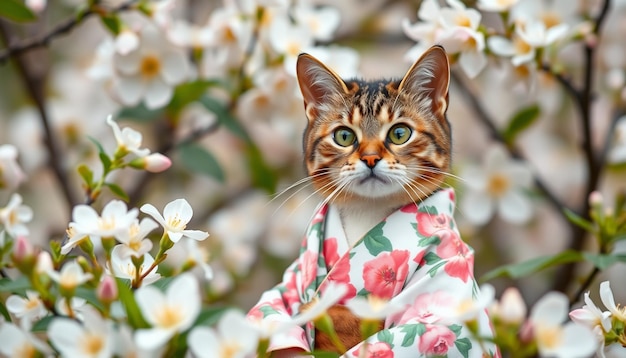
[370, 160]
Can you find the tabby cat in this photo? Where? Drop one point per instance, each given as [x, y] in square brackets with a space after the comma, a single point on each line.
[372, 147]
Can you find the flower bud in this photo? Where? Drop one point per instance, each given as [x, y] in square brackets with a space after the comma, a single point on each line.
[107, 290]
[595, 198]
[44, 263]
[512, 306]
[154, 163]
[23, 248]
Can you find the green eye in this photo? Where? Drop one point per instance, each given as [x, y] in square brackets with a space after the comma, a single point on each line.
[344, 137]
[399, 134]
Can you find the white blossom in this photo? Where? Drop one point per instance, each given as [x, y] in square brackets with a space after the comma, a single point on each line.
[169, 313]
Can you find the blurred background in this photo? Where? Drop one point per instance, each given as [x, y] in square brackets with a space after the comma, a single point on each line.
[229, 114]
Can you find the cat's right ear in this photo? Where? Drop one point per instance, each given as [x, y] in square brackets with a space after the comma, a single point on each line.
[429, 78]
[318, 83]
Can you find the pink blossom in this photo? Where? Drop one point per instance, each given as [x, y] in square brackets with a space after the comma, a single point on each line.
[384, 276]
[437, 340]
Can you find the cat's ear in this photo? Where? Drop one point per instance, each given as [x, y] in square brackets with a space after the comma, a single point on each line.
[318, 83]
[429, 78]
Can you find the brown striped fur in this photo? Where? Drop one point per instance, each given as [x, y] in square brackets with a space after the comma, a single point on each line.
[374, 170]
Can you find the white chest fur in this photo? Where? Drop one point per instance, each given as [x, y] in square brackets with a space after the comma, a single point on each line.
[357, 221]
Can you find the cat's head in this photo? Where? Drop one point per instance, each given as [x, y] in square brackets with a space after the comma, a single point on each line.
[377, 140]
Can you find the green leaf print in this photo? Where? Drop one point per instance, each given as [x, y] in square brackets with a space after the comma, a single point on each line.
[463, 345]
[429, 210]
[433, 270]
[430, 241]
[411, 332]
[385, 336]
[267, 310]
[431, 258]
[456, 329]
[376, 242]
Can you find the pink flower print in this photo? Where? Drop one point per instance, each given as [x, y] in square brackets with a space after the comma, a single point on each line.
[330, 252]
[291, 295]
[341, 273]
[424, 305]
[437, 340]
[460, 258]
[409, 208]
[384, 275]
[430, 225]
[451, 195]
[308, 268]
[256, 313]
[320, 215]
[375, 350]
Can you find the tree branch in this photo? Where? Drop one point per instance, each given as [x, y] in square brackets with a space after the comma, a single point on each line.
[486, 120]
[14, 49]
[583, 98]
[34, 83]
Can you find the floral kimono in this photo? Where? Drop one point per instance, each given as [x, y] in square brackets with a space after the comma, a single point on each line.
[415, 257]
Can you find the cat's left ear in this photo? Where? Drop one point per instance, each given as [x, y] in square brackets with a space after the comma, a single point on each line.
[318, 83]
[429, 78]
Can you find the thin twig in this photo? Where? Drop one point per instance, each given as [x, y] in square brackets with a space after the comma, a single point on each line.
[34, 84]
[14, 49]
[583, 98]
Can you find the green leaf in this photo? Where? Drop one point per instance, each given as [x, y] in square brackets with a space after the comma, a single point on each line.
[16, 11]
[19, 285]
[578, 220]
[135, 319]
[375, 242]
[86, 174]
[104, 157]
[520, 121]
[188, 92]
[112, 22]
[163, 283]
[263, 176]
[463, 345]
[199, 160]
[5, 312]
[603, 262]
[225, 117]
[106, 161]
[42, 324]
[209, 316]
[118, 191]
[90, 296]
[139, 113]
[537, 264]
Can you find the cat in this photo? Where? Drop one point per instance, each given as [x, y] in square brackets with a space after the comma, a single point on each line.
[378, 153]
[372, 147]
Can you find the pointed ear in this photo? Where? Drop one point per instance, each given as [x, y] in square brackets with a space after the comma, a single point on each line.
[318, 83]
[429, 78]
